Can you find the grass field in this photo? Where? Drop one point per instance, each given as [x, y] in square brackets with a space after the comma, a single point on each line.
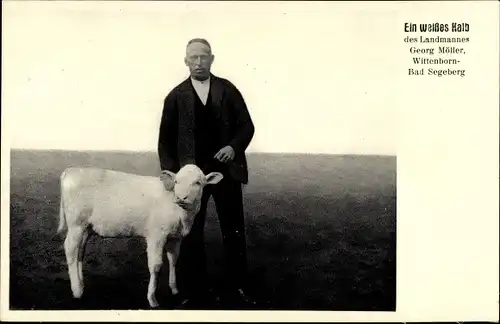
[321, 233]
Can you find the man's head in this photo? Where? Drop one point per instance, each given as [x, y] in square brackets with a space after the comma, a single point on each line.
[199, 58]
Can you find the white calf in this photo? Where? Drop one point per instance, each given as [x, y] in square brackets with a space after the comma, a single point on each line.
[117, 204]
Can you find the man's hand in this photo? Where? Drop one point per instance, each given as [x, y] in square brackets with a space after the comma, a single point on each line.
[225, 154]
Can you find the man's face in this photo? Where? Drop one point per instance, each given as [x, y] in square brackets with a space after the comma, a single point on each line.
[199, 59]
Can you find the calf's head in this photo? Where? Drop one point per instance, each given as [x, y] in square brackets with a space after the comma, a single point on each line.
[188, 183]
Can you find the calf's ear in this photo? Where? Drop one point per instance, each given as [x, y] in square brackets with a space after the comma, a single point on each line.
[214, 177]
[168, 179]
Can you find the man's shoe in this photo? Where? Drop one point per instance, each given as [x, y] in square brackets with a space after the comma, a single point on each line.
[204, 300]
[238, 299]
[245, 298]
[188, 303]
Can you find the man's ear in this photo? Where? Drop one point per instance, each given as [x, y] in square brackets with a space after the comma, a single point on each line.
[168, 179]
[214, 177]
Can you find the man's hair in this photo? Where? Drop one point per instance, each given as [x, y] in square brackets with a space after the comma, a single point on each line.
[199, 40]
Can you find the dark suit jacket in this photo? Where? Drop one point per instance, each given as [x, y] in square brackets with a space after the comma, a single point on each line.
[176, 143]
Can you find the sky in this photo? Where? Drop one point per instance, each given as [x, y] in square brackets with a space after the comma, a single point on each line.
[93, 76]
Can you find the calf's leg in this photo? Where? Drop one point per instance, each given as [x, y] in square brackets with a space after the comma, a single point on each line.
[71, 246]
[81, 254]
[154, 252]
[173, 248]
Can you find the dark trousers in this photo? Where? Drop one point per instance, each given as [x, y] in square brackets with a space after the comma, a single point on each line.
[192, 265]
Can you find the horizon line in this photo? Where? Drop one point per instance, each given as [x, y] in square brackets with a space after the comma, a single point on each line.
[153, 151]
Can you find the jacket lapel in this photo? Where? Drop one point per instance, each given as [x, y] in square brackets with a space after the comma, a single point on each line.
[217, 93]
[216, 90]
[186, 144]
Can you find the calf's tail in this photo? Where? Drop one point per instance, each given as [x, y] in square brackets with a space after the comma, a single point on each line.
[62, 216]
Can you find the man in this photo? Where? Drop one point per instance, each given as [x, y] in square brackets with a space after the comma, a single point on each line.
[205, 121]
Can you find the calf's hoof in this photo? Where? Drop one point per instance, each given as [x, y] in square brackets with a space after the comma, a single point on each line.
[77, 292]
[153, 303]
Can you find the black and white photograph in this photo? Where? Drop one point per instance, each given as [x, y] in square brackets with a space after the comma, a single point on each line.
[202, 156]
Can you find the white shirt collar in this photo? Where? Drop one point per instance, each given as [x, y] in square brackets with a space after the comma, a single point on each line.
[198, 82]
